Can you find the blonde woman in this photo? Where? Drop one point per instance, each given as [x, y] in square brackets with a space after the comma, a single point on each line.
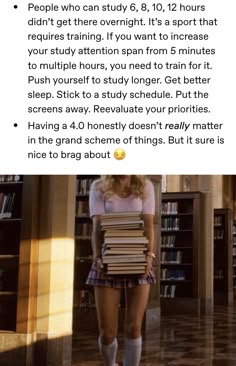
[120, 193]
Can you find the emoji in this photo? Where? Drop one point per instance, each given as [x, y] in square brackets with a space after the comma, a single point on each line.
[119, 154]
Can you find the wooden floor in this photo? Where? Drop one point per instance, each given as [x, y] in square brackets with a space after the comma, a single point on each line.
[181, 340]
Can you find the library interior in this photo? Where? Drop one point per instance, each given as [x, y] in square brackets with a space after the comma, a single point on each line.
[47, 312]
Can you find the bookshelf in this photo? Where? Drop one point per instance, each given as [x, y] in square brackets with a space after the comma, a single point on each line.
[180, 251]
[11, 190]
[223, 257]
[84, 304]
[234, 256]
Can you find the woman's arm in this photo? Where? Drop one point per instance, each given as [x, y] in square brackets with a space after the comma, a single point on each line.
[148, 220]
[97, 237]
[96, 209]
[149, 230]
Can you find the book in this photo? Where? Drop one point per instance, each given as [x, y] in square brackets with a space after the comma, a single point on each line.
[127, 265]
[123, 226]
[122, 223]
[121, 214]
[124, 233]
[126, 268]
[126, 240]
[124, 258]
[123, 251]
[121, 220]
[121, 246]
[125, 272]
[6, 205]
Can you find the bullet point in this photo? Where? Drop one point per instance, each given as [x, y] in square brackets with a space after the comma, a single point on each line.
[15, 124]
[15, 6]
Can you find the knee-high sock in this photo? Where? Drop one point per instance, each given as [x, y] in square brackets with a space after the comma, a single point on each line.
[132, 352]
[108, 352]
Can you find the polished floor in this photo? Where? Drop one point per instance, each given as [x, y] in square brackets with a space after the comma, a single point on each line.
[181, 340]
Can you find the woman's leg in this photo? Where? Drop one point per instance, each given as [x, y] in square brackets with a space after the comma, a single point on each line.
[136, 303]
[107, 303]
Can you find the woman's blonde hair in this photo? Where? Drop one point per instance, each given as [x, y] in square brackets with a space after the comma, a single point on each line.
[109, 184]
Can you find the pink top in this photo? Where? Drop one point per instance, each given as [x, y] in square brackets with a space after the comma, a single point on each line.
[98, 206]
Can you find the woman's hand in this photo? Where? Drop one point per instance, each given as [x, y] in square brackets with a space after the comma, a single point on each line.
[149, 258]
[98, 263]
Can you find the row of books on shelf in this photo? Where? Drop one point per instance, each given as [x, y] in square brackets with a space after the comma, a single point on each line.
[173, 246]
[170, 223]
[167, 291]
[218, 273]
[218, 234]
[168, 241]
[82, 208]
[234, 251]
[86, 299]
[170, 274]
[169, 208]
[10, 178]
[124, 243]
[218, 220]
[171, 257]
[234, 260]
[6, 205]
[83, 229]
[84, 185]
[234, 240]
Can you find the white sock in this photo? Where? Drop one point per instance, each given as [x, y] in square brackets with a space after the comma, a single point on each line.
[132, 352]
[108, 352]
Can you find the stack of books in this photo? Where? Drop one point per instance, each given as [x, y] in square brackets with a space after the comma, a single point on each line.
[125, 245]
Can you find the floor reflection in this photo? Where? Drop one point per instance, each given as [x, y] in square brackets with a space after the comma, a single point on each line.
[181, 340]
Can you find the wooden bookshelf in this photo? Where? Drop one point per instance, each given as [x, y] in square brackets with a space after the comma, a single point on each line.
[84, 314]
[234, 257]
[223, 257]
[180, 252]
[11, 191]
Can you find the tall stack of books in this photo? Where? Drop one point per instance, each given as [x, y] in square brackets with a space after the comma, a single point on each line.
[125, 245]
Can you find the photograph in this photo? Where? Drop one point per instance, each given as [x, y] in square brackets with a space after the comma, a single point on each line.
[117, 270]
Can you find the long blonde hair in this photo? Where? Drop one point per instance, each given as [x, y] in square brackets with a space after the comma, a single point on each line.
[109, 184]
